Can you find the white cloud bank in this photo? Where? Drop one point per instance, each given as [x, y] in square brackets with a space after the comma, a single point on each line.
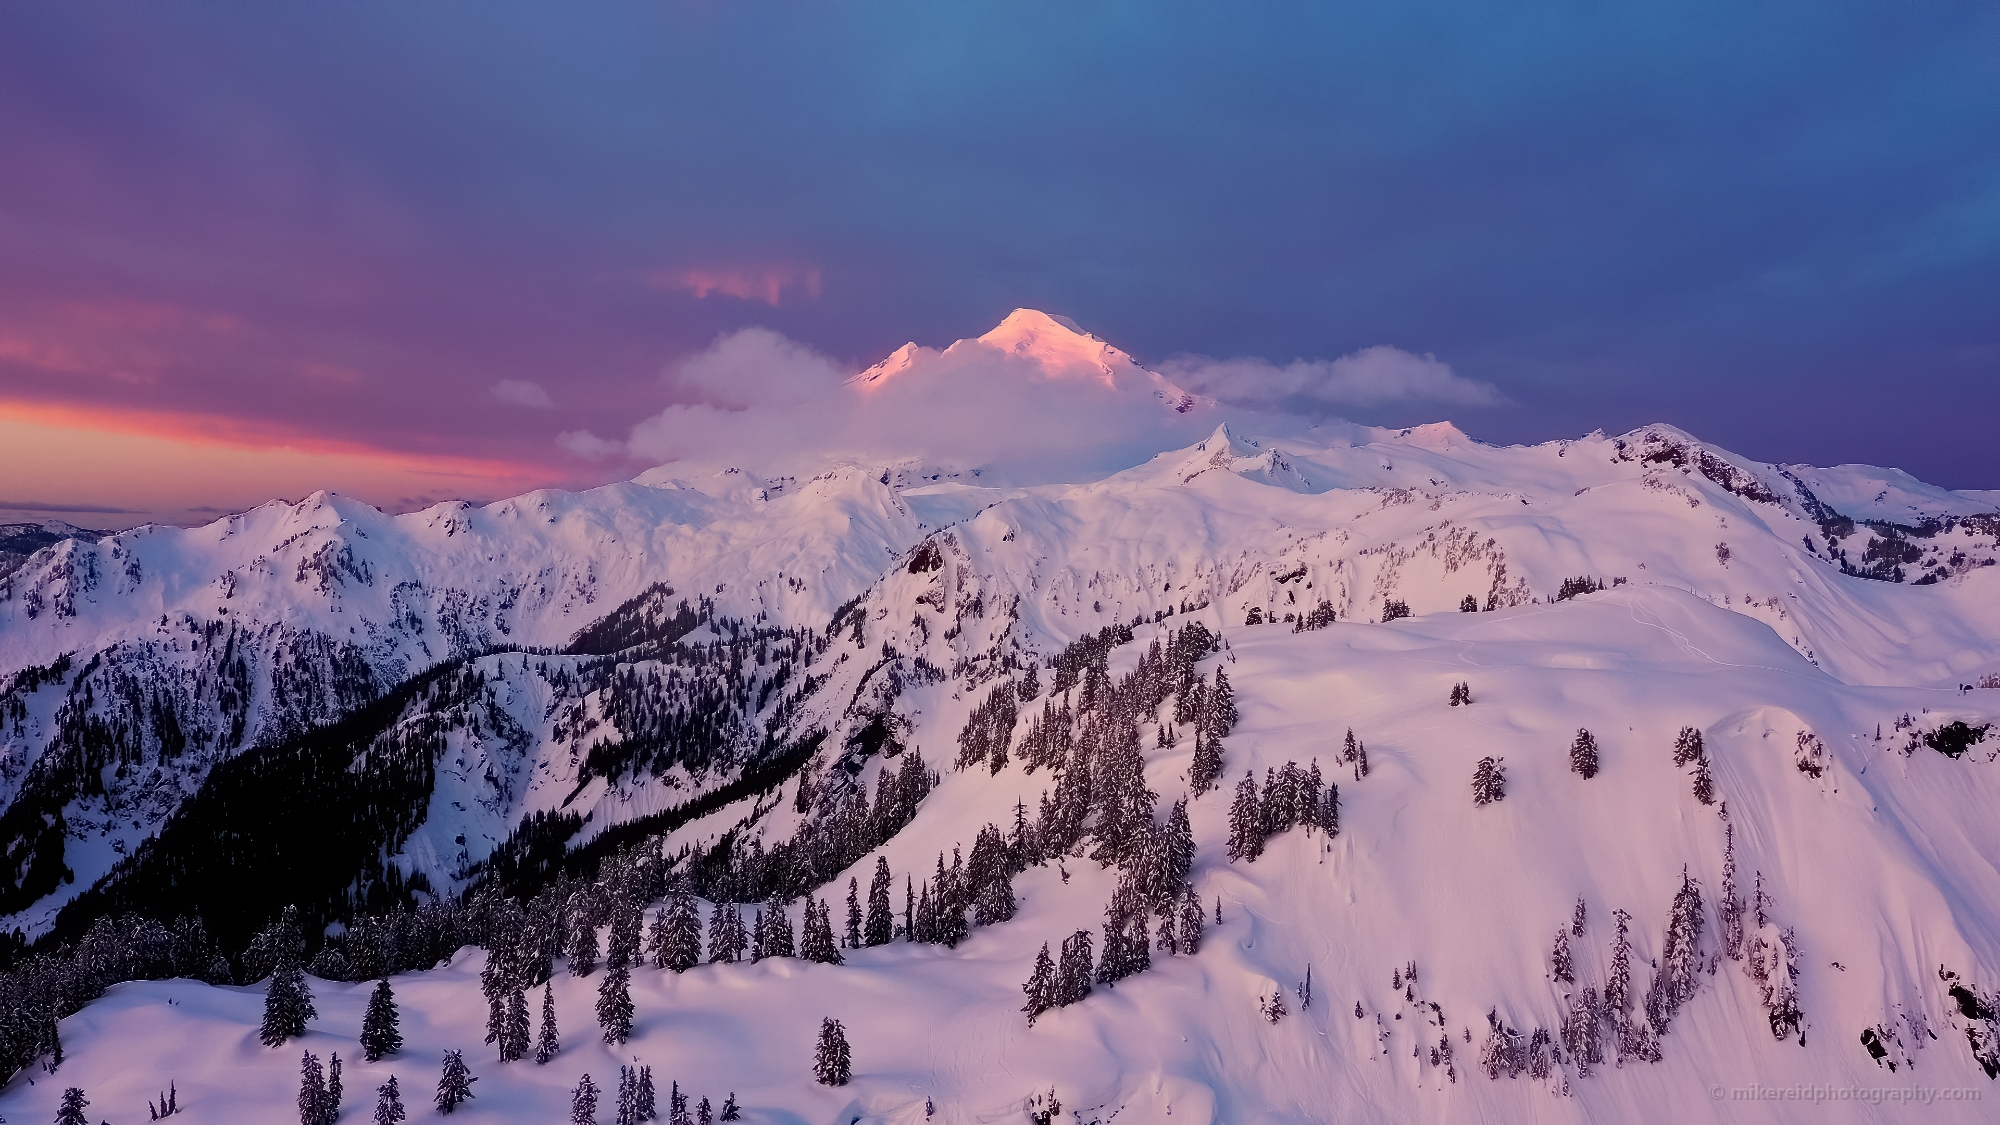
[1033, 401]
[1321, 388]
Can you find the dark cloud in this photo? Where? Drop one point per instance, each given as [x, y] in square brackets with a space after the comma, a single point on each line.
[65, 509]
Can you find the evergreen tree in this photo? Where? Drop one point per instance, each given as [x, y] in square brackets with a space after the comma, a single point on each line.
[614, 1005]
[1041, 986]
[1583, 755]
[703, 1115]
[778, 938]
[677, 1106]
[454, 1083]
[1489, 781]
[288, 1004]
[379, 1035]
[730, 1110]
[680, 944]
[816, 944]
[643, 1096]
[832, 1064]
[722, 933]
[757, 937]
[1191, 922]
[389, 1103]
[1576, 919]
[1559, 959]
[1221, 700]
[1618, 987]
[880, 922]
[71, 1110]
[1680, 954]
[1206, 769]
[312, 1092]
[1073, 971]
[582, 943]
[852, 935]
[626, 1114]
[333, 1089]
[1031, 684]
[583, 1103]
[1704, 782]
[514, 1043]
[996, 901]
[1246, 823]
[547, 1044]
[1688, 746]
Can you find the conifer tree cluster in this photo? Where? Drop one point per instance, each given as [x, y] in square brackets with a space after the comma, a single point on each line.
[638, 1100]
[1057, 984]
[319, 1090]
[989, 731]
[1688, 747]
[1489, 781]
[1461, 693]
[1292, 797]
[1354, 752]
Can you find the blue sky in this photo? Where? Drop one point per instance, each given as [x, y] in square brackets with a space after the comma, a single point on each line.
[1776, 225]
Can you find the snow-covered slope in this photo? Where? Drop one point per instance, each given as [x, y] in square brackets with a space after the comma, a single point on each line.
[1812, 624]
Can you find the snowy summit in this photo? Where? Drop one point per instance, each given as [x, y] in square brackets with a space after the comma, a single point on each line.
[1207, 772]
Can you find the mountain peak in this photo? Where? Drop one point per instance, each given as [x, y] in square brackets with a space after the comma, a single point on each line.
[1059, 345]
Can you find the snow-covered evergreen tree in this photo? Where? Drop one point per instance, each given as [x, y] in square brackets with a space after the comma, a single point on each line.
[832, 1063]
[70, 1112]
[379, 1034]
[816, 944]
[679, 932]
[1583, 755]
[614, 1005]
[288, 1004]
[1246, 823]
[1206, 769]
[880, 922]
[389, 1103]
[312, 1092]
[1074, 969]
[454, 1082]
[547, 1043]
[644, 1096]
[583, 1102]
[1559, 958]
[1489, 781]
[1040, 986]
[514, 1036]
[851, 935]
[1688, 746]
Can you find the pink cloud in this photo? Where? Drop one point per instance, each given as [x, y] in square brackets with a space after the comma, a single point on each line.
[767, 284]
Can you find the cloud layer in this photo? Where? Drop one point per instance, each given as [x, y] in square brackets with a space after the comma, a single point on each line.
[759, 400]
[1322, 388]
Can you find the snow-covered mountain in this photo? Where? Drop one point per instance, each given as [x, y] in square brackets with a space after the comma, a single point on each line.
[318, 704]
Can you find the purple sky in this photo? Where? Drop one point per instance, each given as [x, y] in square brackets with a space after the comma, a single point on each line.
[337, 229]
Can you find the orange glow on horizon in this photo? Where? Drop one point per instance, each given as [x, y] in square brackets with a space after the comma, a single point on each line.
[177, 468]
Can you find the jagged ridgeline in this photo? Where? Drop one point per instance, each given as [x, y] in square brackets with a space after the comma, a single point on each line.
[321, 818]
